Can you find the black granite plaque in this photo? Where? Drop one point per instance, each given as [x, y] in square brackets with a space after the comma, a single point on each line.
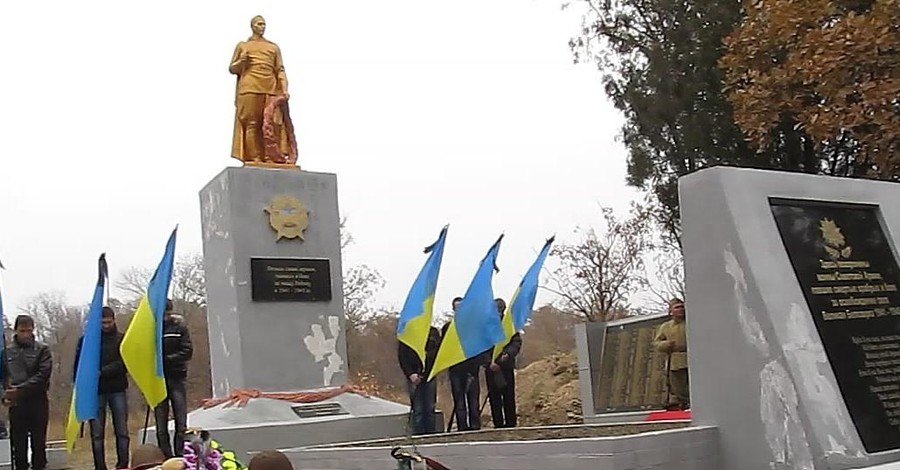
[632, 374]
[849, 276]
[290, 279]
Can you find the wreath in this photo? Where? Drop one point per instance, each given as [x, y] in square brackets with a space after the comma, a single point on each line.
[203, 453]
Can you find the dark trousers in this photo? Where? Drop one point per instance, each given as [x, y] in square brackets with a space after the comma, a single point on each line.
[421, 399]
[118, 407]
[177, 396]
[679, 389]
[501, 387]
[28, 420]
[466, 393]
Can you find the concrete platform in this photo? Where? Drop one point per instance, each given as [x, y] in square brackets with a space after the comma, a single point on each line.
[271, 424]
[689, 448]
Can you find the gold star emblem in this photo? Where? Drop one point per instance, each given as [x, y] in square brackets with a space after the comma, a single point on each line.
[287, 216]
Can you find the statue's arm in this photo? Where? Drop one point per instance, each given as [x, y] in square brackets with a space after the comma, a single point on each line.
[279, 69]
[237, 64]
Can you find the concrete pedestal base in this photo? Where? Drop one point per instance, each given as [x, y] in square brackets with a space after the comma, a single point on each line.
[274, 424]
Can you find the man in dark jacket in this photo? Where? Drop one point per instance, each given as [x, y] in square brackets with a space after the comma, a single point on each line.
[501, 380]
[111, 390]
[464, 386]
[177, 352]
[27, 367]
[422, 394]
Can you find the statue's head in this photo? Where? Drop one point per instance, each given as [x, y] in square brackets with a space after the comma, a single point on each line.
[258, 25]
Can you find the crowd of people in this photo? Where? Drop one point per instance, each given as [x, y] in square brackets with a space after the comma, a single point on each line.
[499, 374]
[500, 377]
[27, 366]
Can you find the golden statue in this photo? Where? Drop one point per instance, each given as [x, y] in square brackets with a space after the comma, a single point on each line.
[263, 131]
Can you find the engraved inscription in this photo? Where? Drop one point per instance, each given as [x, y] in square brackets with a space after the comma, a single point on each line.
[632, 375]
[849, 276]
[290, 279]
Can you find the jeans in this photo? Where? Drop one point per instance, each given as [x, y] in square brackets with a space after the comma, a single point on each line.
[501, 387]
[29, 420]
[177, 396]
[466, 392]
[118, 407]
[422, 398]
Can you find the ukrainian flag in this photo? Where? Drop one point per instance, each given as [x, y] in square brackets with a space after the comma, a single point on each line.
[415, 318]
[142, 343]
[85, 403]
[522, 302]
[475, 327]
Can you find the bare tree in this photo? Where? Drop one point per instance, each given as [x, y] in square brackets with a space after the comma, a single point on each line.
[133, 283]
[59, 324]
[669, 276]
[597, 274]
[188, 281]
[361, 283]
[346, 236]
[54, 317]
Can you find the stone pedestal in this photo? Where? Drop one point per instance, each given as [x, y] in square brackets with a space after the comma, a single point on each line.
[270, 345]
[275, 313]
[772, 364]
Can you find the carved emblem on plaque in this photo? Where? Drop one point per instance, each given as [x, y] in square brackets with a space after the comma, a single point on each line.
[287, 216]
[835, 243]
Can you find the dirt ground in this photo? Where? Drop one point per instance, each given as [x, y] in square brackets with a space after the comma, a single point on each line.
[547, 392]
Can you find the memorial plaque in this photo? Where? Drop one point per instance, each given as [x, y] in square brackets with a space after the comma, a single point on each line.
[632, 374]
[849, 275]
[290, 279]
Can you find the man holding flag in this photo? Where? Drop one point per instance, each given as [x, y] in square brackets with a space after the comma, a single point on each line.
[418, 341]
[3, 433]
[500, 377]
[113, 383]
[142, 348]
[88, 374]
[473, 332]
[501, 374]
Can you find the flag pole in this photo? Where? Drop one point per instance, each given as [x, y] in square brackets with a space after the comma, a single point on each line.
[146, 425]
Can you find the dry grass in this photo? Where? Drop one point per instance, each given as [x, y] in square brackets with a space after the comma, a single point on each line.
[81, 457]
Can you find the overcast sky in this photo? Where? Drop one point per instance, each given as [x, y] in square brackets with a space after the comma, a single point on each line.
[468, 112]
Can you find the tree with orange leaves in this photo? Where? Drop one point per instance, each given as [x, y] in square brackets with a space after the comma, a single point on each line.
[828, 68]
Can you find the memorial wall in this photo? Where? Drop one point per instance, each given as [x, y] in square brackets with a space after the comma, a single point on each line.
[631, 374]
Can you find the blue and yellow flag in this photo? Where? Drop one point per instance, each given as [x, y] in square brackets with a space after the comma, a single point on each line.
[415, 318]
[475, 327]
[522, 303]
[142, 343]
[85, 402]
